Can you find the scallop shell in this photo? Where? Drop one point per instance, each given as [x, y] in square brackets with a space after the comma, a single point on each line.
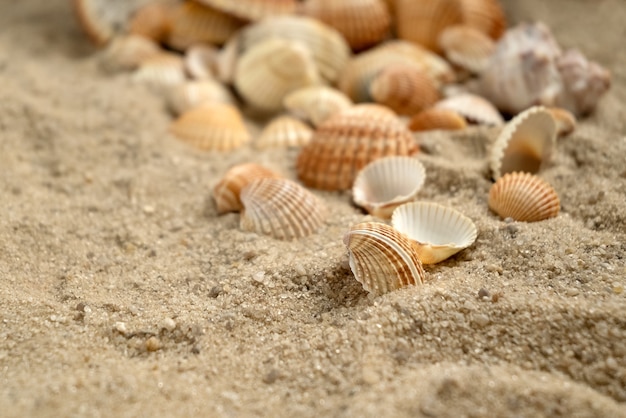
[523, 197]
[381, 258]
[284, 131]
[423, 21]
[127, 52]
[201, 61]
[484, 15]
[151, 21]
[474, 108]
[362, 22]
[525, 144]
[467, 47]
[439, 231]
[281, 209]
[347, 142]
[433, 118]
[191, 94]
[270, 70]
[161, 71]
[211, 127]
[253, 9]
[228, 190]
[404, 89]
[386, 183]
[565, 121]
[316, 103]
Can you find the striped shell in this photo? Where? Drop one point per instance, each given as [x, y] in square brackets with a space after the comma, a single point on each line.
[211, 127]
[484, 15]
[284, 131]
[438, 231]
[525, 144]
[347, 142]
[381, 258]
[467, 47]
[386, 183]
[151, 21]
[433, 118]
[423, 21]
[316, 103]
[228, 190]
[127, 52]
[474, 108]
[161, 71]
[281, 209]
[523, 197]
[253, 9]
[191, 94]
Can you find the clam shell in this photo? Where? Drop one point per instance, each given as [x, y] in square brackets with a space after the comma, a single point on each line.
[151, 21]
[201, 61]
[127, 52]
[423, 21]
[270, 70]
[467, 47]
[525, 144]
[281, 209]
[381, 258]
[228, 190]
[386, 183]
[474, 108]
[211, 127]
[316, 103]
[284, 131]
[362, 22]
[253, 9]
[433, 118]
[565, 121]
[439, 231]
[484, 15]
[523, 197]
[191, 94]
[161, 71]
[347, 142]
[404, 89]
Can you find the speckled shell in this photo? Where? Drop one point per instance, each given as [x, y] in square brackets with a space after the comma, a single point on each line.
[404, 89]
[467, 47]
[191, 94]
[381, 258]
[433, 118]
[228, 190]
[439, 231]
[253, 9]
[484, 15]
[474, 108]
[525, 144]
[270, 70]
[151, 21]
[281, 209]
[161, 71]
[126, 52]
[362, 22]
[347, 142]
[523, 197]
[211, 127]
[565, 121]
[201, 61]
[284, 131]
[423, 21]
[316, 103]
[387, 183]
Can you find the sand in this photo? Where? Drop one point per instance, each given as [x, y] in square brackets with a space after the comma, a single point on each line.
[124, 294]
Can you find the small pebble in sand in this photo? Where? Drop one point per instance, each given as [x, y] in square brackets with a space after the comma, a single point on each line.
[168, 324]
[153, 344]
[483, 293]
[215, 291]
[120, 327]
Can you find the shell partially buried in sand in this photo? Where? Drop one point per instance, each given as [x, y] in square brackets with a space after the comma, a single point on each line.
[227, 191]
[523, 197]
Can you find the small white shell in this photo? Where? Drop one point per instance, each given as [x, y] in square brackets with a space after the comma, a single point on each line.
[438, 230]
[474, 108]
[386, 183]
[191, 94]
[316, 103]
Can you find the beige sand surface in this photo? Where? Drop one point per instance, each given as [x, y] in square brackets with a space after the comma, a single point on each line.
[124, 294]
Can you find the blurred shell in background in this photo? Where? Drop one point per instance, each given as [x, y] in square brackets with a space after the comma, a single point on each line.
[485, 15]
[201, 61]
[434, 118]
[467, 47]
[191, 94]
[316, 103]
[161, 71]
[152, 21]
[284, 131]
[423, 21]
[127, 52]
[253, 9]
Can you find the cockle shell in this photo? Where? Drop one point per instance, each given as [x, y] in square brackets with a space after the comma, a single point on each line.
[381, 258]
[523, 197]
[127, 52]
[201, 61]
[151, 21]
[525, 144]
[423, 21]
[253, 9]
[565, 121]
[362, 22]
[284, 131]
[484, 15]
[191, 94]
[316, 103]
[439, 231]
[386, 183]
[467, 47]
[281, 209]
[347, 142]
[433, 118]
[161, 71]
[270, 70]
[404, 89]
[228, 190]
[211, 127]
[474, 108]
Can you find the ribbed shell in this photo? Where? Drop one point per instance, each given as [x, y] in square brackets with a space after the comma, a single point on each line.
[484, 15]
[386, 183]
[201, 61]
[474, 108]
[362, 22]
[270, 70]
[525, 144]
[467, 47]
[281, 209]
[253, 9]
[227, 192]
[284, 131]
[523, 197]
[347, 142]
[438, 231]
[191, 94]
[151, 21]
[211, 127]
[404, 89]
[316, 103]
[381, 258]
[433, 118]
[127, 52]
[161, 71]
[423, 21]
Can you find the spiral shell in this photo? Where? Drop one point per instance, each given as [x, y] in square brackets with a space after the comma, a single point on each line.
[316, 103]
[423, 21]
[433, 118]
[381, 258]
[228, 190]
[284, 131]
[523, 197]
[281, 209]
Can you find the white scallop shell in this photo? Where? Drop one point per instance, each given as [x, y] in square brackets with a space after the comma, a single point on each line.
[438, 230]
[316, 103]
[386, 183]
[284, 131]
[190, 94]
[473, 107]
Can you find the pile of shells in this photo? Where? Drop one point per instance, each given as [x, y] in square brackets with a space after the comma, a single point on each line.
[347, 83]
